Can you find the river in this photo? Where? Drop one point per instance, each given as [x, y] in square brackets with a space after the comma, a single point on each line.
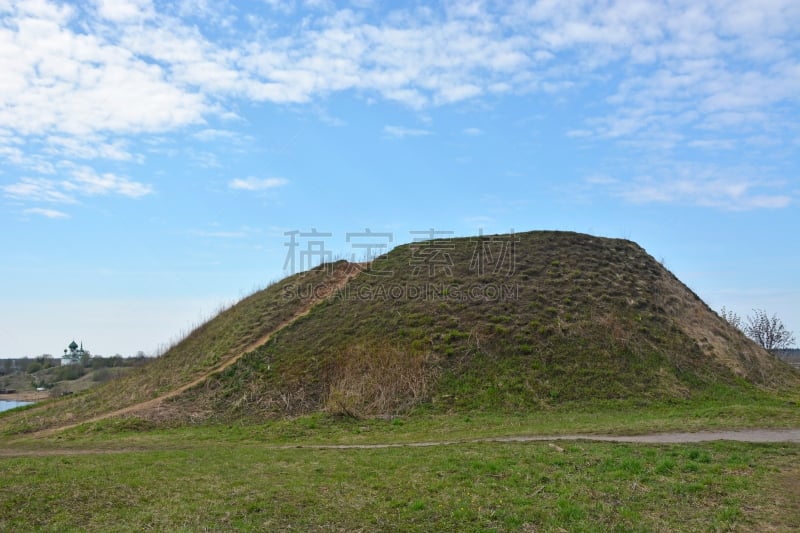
[5, 405]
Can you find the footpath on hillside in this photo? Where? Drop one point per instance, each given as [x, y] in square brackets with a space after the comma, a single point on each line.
[336, 282]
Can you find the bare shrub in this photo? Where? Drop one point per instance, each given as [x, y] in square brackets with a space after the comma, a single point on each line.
[731, 318]
[768, 331]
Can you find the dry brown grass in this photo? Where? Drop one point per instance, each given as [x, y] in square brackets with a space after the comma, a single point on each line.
[379, 378]
[718, 340]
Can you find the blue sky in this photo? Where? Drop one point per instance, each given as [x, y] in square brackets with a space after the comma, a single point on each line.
[154, 154]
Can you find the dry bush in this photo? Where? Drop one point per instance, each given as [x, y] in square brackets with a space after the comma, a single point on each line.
[371, 379]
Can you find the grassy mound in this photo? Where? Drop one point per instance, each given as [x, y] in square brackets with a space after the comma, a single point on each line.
[493, 323]
[508, 322]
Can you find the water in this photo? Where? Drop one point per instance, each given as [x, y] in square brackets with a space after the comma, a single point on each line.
[5, 405]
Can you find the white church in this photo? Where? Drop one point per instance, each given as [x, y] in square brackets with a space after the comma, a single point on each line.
[73, 354]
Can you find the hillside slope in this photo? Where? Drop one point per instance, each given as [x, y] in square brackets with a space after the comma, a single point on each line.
[504, 322]
[501, 322]
[210, 348]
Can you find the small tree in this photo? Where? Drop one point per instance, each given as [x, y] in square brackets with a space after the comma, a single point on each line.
[768, 331]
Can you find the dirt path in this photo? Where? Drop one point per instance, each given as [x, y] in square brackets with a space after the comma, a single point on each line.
[739, 435]
[743, 435]
[339, 278]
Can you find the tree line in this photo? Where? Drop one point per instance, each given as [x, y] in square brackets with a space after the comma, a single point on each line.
[86, 361]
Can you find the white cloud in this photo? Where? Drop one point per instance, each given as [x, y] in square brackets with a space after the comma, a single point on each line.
[399, 132]
[47, 213]
[713, 144]
[145, 71]
[87, 147]
[38, 190]
[578, 133]
[282, 6]
[204, 159]
[82, 181]
[87, 182]
[86, 83]
[210, 134]
[50, 91]
[257, 184]
[600, 179]
[715, 189]
[125, 10]
[722, 194]
[473, 131]
[712, 66]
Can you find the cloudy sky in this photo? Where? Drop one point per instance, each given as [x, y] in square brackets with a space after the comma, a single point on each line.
[153, 155]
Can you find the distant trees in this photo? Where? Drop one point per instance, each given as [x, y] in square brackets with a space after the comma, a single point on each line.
[767, 331]
[40, 363]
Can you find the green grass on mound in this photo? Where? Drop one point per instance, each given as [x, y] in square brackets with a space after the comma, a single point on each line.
[504, 324]
[577, 319]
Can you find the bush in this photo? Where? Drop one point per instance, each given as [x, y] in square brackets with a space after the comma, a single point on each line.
[101, 376]
[69, 372]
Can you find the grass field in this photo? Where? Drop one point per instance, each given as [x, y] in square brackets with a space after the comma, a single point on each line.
[576, 486]
[121, 475]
